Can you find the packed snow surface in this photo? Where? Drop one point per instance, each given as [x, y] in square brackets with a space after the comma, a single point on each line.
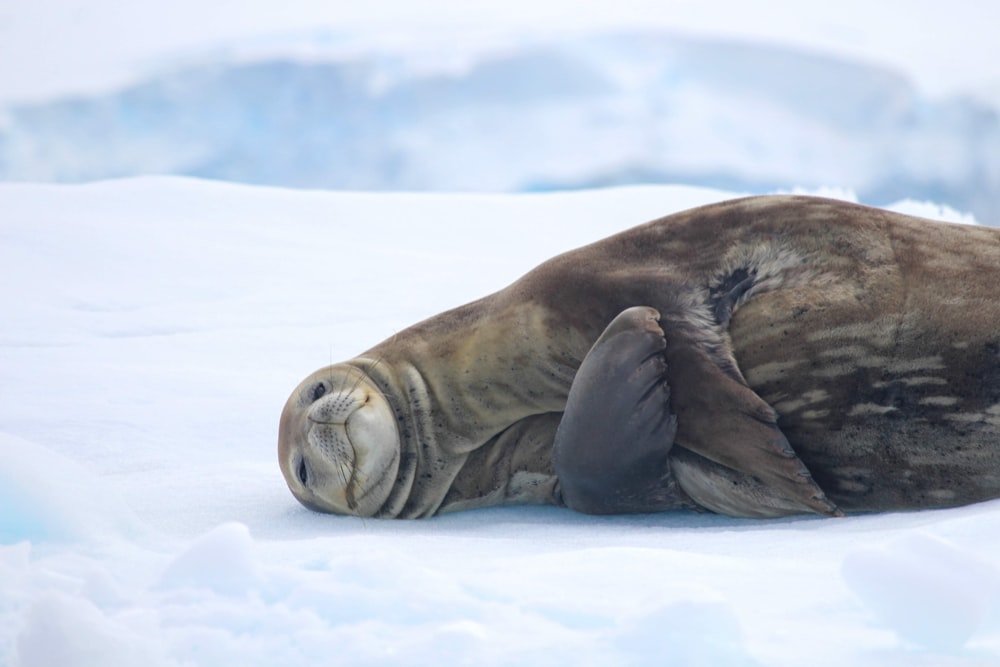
[152, 330]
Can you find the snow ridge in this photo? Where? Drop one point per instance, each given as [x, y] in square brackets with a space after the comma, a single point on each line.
[573, 112]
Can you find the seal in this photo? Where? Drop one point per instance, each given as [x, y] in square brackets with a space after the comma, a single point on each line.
[758, 357]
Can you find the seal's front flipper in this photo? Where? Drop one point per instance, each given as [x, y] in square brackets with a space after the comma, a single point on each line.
[720, 418]
[639, 393]
[611, 448]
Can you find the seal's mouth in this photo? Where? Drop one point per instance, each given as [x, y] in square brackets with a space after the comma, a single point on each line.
[338, 445]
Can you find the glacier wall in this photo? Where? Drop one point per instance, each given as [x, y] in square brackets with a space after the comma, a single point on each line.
[573, 112]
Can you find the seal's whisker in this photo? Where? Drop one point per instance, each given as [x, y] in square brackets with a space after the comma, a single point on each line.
[352, 503]
[343, 383]
[367, 370]
[362, 374]
[334, 388]
[346, 475]
[366, 374]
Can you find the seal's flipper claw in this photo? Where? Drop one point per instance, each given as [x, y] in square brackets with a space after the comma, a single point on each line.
[611, 448]
[723, 420]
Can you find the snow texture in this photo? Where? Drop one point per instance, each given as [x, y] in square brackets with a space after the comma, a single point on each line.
[153, 329]
[315, 110]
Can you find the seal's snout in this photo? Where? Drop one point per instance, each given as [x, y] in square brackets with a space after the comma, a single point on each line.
[338, 445]
[336, 407]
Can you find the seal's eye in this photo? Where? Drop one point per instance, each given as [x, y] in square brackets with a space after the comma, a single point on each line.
[319, 391]
[303, 473]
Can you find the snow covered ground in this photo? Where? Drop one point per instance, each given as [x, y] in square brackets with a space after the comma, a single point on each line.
[153, 328]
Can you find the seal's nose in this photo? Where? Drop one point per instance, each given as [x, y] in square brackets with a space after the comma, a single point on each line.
[335, 407]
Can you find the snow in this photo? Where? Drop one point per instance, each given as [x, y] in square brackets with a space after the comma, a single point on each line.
[945, 49]
[153, 329]
[927, 590]
[889, 101]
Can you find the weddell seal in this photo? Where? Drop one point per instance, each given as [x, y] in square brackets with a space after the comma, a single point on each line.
[758, 357]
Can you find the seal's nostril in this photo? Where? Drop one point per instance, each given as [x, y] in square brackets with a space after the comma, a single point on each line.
[303, 473]
[318, 391]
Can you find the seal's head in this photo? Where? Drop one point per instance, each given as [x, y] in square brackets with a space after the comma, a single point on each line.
[338, 444]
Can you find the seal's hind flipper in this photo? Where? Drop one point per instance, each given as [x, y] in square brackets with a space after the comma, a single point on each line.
[720, 418]
[611, 448]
